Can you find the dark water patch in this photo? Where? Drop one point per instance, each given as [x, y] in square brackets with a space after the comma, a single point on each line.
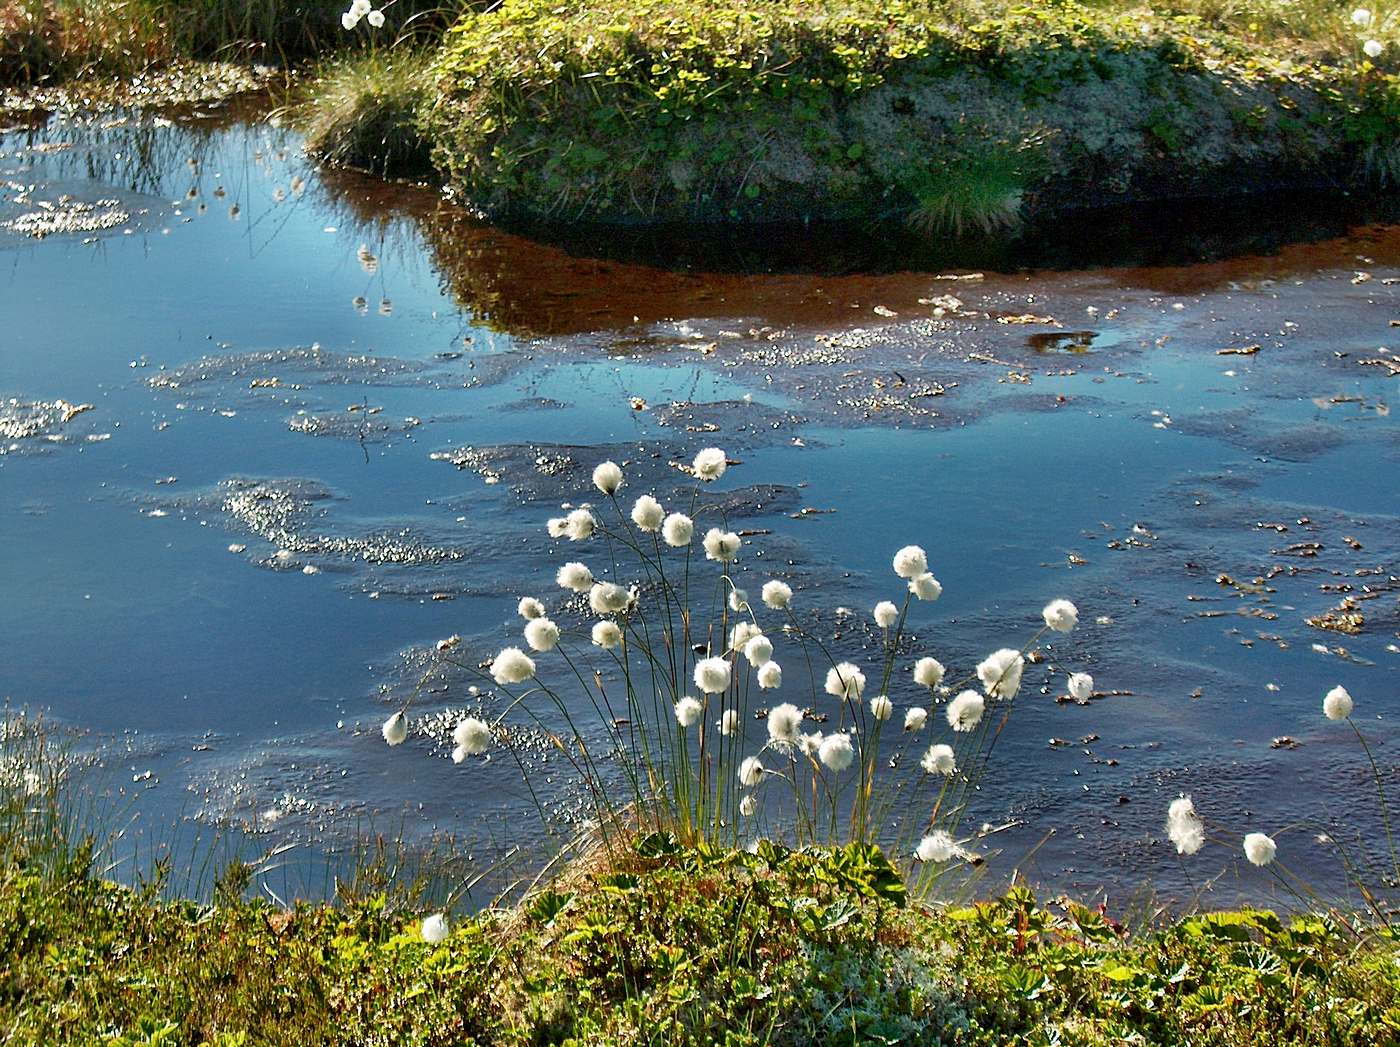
[362, 423]
[284, 368]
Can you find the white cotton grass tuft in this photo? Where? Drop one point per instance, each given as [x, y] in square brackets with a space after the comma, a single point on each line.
[647, 513]
[395, 729]
[845, 680]
[1361, 17]
[810, 744]
[928, 672]
[729, 722]
[709, 464]
[784, 724]
[607, 477]
[1080, 686]
[770, 676]
[738, 600]
[1338, 704]
[1060, 615]
[541, 634]
[836, 751]
[742, 633]
[606, 634]
[881, 707]
[512, 665]
[1373, 48]
[777, 595]
[965, 711]
[576, 576]
[529, 607]
[688, 711]
[910, 562]
[926, 587]
[472, 736]
[886, 614]
[937, 847]
[759, 650]
[608, 598]
[349, 20]
[579, 525]
[360, 8]
[434, 929]
[1184, 826]
[678, 530]
[712, 675]
[915, 718]
[375, 19]
[722, 546]
[940, 759]
[1259, 849]
[748, 805]
[1000, 673]
[558, 527]
[750, 771]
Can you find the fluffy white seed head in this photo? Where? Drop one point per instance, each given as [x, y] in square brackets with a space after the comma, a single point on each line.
[678, 529]
[576, 576]
[742, 633]
[886, 614]
[777, 595]
[434, 929]
[541, 634]
[1338, 704]
[558, 527]
[688, 711]
[836, 751]
[512, 665]
[940, 759]
[759, 650]
[915, 718]
[606, 634]
[784, 724]
[1184, 826]
[750, 771]
[608, 598]
[579, 525]
[395, 729]
[738, 600]
[810, 744]
[729, 722]
[1373, 49]
[747, 805]
[529, 607]
[1081, 686]
[647, 513]
[937, 847]
[845, 680]
[1060, 615]
[910, 562]
[926, 587]
[770, 676]
[1361, 17]
[459, 754]
[710, 464]
[375, 19]
[1000, 673]
[607, 477]
[1259, 849]
[881, 707]
[360, 8]
[712, 675]
[472, 735]
[722, 546]
[349, 20]
[965, 711]
[928, 672]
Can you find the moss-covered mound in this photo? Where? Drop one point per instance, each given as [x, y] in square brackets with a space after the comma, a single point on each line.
[949, 116]
[664, 945]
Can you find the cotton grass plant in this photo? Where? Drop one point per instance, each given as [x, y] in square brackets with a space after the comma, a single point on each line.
[686, 704]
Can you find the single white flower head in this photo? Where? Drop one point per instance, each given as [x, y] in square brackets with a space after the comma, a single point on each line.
[915, 718]
[541, 634]
[579, 525]
[395, 729]
[721, 545]
[810, 744]
[606, 634]
[434, 929]
[937, 847]
[845, 680]
[647, 513]
[512, 665]
[1361, 17]
[1372, 49]
[375, 19]
[608, 598]
[928, 672]
[886, 614]
[836, 751]
[784, 724]
[742, 633]
[1000, 673]
[777, 595]
[925, 586]
[607, 477]
[678, 529]
[472, 735]
[349, 20]
[710, 464]
[1081, 686]
[940, 759]
[747, 805]
[770, 676]
[459, 754]
[576, 576]
[529, 607]
[688, 711]
[881, 707]
[750, 771]
[729, 722]
[1338, 704]
[1259, 849]
[712, 675]
[910, 562]
[558, 527]
[759, 650]
[1184, 826]
[965, 711]
[360, 8]
[1060, 615]
[738, 600]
